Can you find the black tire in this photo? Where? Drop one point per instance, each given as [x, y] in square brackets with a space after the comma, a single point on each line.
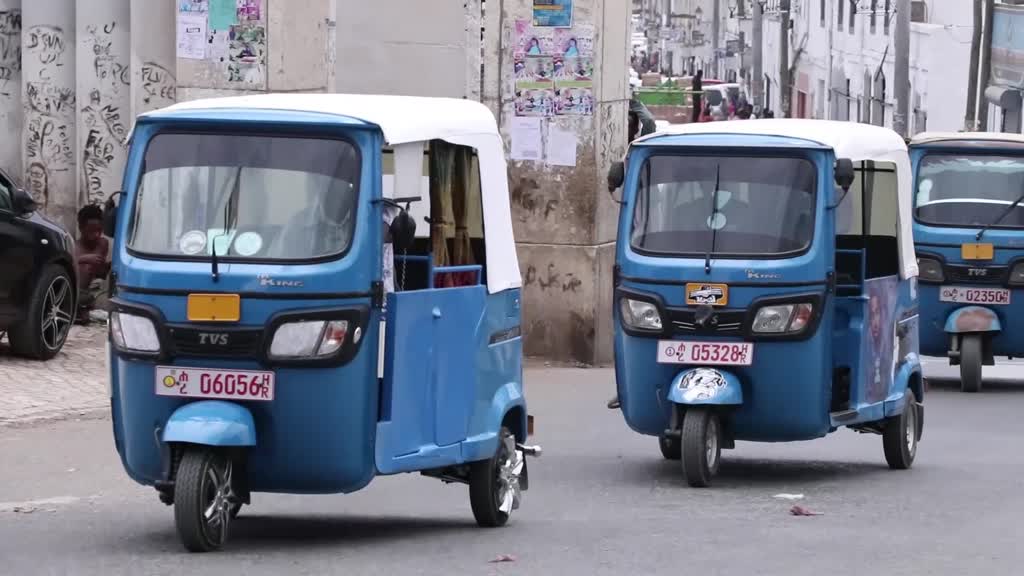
[42, 334]
[970, 363]
[702, 446]
[899, 439]
[485, 484]
[671, 448]
[203, 482]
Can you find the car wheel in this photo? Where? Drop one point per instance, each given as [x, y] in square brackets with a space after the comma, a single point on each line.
[51, 312]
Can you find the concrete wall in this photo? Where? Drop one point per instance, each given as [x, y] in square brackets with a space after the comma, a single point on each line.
[154, 77]
[10, 87]
[48, 74]
[104, 103]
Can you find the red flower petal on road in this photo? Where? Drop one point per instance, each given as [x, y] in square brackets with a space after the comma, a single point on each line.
[801, 511]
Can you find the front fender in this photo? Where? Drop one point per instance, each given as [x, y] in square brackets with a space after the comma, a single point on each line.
[506, 399]
[705, 386]
[972, 319]
[211, 423]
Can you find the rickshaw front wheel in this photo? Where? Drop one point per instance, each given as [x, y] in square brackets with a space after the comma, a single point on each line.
[899, 439]
[204, 500]
[970, 363]
[494, 483]
[702, 445]
[671, 448]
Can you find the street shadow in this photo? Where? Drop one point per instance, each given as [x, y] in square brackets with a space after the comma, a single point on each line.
[744, 473]
[1002, 385]
[267, 533]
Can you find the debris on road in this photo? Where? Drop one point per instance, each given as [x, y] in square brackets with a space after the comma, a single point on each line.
[503, 558]
[789, 496]
[801, 511]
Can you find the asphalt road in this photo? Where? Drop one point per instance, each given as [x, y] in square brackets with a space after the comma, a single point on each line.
[603, 502]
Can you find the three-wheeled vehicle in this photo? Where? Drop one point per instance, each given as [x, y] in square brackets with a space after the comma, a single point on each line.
[765, 288]
[969, 234]
[280, 323]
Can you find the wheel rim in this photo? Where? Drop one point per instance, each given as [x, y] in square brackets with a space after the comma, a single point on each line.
[911, 429]
[56, 316]
[509, 470]
[711, 443]
[218, 499]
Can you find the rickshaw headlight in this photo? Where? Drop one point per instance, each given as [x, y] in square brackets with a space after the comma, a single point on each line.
[930, 270]
[1017, 274]
[133, 333]
[309, 339]
[783, 319]
[640, 315]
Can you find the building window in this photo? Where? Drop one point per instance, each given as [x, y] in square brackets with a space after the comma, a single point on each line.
[853, 12]
[886, 20]
[822, 10]
[849, 100]
[874, 15]
[839, 22]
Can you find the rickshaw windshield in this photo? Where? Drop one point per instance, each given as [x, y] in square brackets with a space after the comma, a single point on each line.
[247, 196]
[765, 206]
[970, 190]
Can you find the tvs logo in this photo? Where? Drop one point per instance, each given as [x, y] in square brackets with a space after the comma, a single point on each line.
[707, 294]
[977, 272]
[213, 339]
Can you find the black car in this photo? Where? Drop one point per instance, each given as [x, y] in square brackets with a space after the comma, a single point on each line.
[38, 279]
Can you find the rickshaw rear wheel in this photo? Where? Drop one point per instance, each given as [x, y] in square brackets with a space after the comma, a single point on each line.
[671, 448]
[494, 483]
[203, 499]
[971, 348]
[899, 439]
[702, 445]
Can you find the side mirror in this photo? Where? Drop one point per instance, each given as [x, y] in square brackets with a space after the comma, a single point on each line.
[844, 173]
[22, 202]
[616, 177]
[403, 231]
[110, 215]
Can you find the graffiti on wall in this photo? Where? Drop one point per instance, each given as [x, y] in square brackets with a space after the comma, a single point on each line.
[10, 52]
[105, 125]
[50, 111]
[159, 86]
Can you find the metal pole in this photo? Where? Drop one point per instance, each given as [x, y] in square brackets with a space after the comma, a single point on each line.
[785, 88]
[714, 35]
[900, 120]
[984, 70]
[758, 79]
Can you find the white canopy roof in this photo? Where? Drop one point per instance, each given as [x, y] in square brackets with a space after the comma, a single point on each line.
[406, 119]
[853, 140]
[937, 137]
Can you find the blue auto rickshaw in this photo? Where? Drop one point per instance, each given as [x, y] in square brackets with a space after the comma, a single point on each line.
[280, 323]
[969, 235]
[765, 288]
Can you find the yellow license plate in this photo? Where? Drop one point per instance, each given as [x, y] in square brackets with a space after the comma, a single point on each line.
[214, 308]
[977, 251]
[710, 294]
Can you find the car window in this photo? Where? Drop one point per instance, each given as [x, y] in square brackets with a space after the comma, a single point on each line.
[5, 194]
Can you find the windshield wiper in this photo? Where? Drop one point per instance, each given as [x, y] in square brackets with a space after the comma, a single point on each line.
[714, 220]
[1000, 219]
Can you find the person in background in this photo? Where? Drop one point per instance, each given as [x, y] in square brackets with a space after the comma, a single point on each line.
[641, 121]
[92, 253]
[698, 87]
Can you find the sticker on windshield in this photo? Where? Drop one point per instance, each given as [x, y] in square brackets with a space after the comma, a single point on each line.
[717, 221]
[707, 294]
[248, 243]
[192, 243]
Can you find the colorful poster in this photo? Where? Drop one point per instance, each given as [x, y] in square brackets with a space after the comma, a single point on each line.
[223, 14]
[574, 100]
[247, 47]
[192, 35]
[194, 6]
[530, 41]
[535, 101]
[577, 42]
[552, 13]
[553, 70]
[248, 10]
[880, 341]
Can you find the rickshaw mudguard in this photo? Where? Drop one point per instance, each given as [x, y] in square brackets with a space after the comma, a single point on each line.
[211, 423]
[972, 319]
[705, 386]
[507, 399]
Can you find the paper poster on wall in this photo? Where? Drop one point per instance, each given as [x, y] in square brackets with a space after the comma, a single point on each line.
[192, 35]
[553, 13]
[247, 46]
[248, 10]
[561, 146]
[217, 45]
[530, 41]
[574, 101]
[223, 14]
[194, 6]
[576, 42]
[527, 144]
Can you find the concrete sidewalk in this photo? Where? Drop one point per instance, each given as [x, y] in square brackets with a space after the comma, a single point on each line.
[73, 383]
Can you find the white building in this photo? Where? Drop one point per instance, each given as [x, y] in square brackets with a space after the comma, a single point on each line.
[842, 56]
